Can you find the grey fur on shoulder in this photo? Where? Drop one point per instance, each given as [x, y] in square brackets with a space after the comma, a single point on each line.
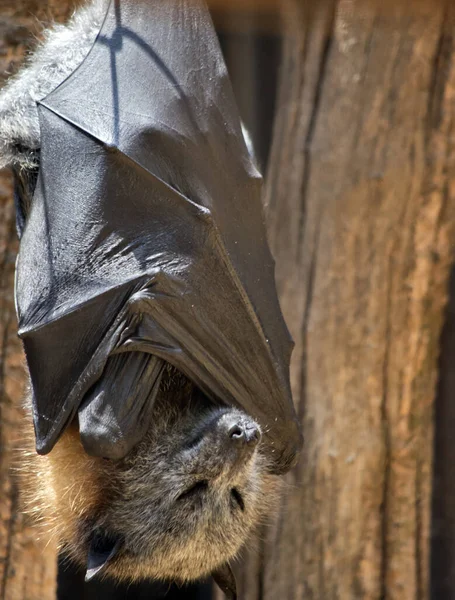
[63, 49]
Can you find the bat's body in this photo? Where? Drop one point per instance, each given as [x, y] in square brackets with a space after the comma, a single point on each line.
[140, 499]
[146, 475]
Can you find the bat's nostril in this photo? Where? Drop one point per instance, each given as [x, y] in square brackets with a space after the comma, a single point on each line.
[236, 432]
[248, 433]
[239, 430]
[252, 435]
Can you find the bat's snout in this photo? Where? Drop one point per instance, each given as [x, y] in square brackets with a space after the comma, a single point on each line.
[238, 433]
[241, 433]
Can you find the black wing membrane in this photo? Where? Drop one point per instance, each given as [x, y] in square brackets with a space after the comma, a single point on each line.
[146, 241]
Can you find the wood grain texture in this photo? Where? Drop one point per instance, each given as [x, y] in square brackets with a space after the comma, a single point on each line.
[27, 567]
[361, 209]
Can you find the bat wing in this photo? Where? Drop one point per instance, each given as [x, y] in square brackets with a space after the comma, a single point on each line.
[146, 240]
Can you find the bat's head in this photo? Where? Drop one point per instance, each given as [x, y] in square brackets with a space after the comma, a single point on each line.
[179, 506]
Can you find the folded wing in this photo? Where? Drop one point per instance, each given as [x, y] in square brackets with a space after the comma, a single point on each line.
[146, 237]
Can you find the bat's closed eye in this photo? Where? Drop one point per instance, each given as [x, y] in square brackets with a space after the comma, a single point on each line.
[238, 498]
[197, 488]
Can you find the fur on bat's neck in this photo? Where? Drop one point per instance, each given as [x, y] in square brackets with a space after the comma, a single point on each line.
[59, 490]
[64, 47]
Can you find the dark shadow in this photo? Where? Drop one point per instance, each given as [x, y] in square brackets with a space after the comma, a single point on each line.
[71, 586]
[443, 504]
[253, 60]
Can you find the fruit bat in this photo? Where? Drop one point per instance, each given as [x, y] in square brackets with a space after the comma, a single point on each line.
[145, 241]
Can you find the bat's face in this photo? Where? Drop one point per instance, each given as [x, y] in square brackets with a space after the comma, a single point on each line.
[188, 494]
[178, 506]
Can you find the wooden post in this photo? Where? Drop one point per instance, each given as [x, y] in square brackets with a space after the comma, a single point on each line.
[361, 208]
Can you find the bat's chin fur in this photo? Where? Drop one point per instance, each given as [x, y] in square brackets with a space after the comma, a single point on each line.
[181, 504]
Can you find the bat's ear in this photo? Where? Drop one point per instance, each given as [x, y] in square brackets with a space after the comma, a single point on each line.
[103, 547]
[225, 579]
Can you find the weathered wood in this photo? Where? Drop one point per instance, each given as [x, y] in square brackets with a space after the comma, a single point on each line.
[27, 567]
[361, 206]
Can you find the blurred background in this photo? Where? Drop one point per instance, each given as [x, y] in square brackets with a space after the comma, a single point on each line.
[350, 105]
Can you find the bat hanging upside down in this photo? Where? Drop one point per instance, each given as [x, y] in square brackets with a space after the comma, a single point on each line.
[158, 356]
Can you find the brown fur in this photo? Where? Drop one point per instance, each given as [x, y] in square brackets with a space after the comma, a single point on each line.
[165, 537]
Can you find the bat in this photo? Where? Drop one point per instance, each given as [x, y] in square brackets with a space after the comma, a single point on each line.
[144, 245]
